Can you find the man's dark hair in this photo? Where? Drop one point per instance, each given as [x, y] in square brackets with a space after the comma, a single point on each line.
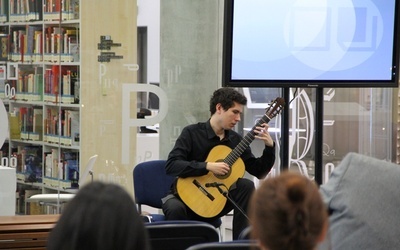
[226, 96]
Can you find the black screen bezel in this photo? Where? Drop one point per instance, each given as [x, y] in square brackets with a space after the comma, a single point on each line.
[227, 63]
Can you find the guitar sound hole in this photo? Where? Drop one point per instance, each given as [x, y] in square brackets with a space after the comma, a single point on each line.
[225, 175]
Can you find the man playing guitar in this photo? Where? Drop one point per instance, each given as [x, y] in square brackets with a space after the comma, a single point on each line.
[193, 158]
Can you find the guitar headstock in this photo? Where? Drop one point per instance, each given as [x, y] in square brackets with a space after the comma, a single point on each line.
[275, 107]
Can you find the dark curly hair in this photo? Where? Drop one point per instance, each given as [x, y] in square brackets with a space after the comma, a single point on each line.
[226, 97]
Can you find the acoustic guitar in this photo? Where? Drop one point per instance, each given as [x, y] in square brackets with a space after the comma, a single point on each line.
[203, 194]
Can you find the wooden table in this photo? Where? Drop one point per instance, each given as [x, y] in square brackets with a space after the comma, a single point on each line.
[26, 231]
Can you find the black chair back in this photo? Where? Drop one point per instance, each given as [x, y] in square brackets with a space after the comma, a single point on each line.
[228, 245]
[179, 235]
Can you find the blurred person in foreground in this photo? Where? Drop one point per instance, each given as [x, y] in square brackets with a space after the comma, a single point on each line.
[101, 216]
[287, 212]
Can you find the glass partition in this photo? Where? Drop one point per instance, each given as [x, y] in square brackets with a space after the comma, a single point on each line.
[86, 94]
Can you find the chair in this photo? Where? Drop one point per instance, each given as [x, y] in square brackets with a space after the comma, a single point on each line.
[245, 234]
[151, 184]
[180, 234]
[234, 245]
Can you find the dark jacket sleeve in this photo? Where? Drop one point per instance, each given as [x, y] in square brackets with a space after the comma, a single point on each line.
[178, 163]
[259, 167]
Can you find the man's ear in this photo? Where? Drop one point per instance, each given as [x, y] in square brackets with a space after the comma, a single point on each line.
[218, 108]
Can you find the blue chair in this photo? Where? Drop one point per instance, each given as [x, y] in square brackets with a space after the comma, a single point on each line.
[151, 184]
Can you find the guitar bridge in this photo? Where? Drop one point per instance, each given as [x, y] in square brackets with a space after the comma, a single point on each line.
[203, 190]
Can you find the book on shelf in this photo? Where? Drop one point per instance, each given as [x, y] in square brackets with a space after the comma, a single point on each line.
[61, 44]
[48, 164]
[70, 84]
[73, 50]
[72, 126]
[2, 88]
[17, 36]
[37, 125]
[32, 42]
[3, 10]
[38, 45]
[33, 163]
[15, 127]
[51, 82]
[38, 85]
[71, 167]
[51, 160]
[4, 47]
[76, 91]
[51, 125]
[23, 117]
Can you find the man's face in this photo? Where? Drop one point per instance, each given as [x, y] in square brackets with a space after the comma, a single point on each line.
[229, 118]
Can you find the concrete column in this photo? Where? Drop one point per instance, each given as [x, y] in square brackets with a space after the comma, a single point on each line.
[190, 69]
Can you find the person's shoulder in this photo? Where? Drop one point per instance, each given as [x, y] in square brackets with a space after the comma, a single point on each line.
[196, 126]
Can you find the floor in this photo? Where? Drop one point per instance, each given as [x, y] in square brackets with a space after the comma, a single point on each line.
[226, 227]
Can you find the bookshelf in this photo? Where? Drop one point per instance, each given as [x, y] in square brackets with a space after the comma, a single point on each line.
[51, 81]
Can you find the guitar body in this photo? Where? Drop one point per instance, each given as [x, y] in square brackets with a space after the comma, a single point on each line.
[208, 201]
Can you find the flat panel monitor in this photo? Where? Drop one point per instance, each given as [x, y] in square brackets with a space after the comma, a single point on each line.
[311, 43]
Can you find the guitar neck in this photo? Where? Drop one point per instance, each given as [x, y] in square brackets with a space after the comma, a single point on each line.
[244, 143]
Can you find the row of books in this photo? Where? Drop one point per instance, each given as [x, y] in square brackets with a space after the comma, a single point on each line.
[60, 10]
[33, 86]
[58, 165]
[69, 89]
[29, 86]
[24, 10]
[61, 166]
[36, 10]
[70, 131]
[33, 44]
[29, 163]
[31, 123]
[32, 126]
[28, 121]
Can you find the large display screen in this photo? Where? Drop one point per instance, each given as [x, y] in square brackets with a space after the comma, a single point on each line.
[314, 43]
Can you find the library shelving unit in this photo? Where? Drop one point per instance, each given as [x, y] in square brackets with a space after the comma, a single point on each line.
[49, 77]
